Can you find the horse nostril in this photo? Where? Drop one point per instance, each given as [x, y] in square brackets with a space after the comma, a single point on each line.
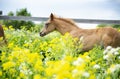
[42, 34]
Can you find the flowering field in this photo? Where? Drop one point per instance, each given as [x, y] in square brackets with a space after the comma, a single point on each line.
[29, 56]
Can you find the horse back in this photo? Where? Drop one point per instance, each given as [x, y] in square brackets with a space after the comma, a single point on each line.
[106, 36]
[110, 36]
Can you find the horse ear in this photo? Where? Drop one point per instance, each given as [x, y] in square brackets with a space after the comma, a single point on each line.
[51, 16]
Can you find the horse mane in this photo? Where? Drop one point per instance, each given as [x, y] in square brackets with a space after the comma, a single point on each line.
[70, 21]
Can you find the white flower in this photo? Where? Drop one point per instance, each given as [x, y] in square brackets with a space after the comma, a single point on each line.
[118, 48]
[118, 66]
[116, 53]
[96, 66]
[41, 53]
[78, 62]
[108, 48]
[30, 72]
[113, 68]
[24, 69]
[118, 57]
[86, 74]
[49, 50]
[22, 65]
[112, 51]
[74, 71]
[105, 52]
[106, 57]
[46, 59]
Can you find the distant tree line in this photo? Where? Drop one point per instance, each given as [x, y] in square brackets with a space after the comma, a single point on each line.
[18, 24]
[112, 25]
[28, 24]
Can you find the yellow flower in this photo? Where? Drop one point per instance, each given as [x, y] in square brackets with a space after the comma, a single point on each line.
[108, 71]
[26, 45]
[22, 75]
[0, 73]
[68, 58]
[18, 77]
[3, 57]
[8, 65]
[33, 57]
[81, 67]
[37, 76]
[112, 69]
[93, 63]
[49, 71]
[119, 30]
[11, 45]
[12, 71]
[86, 54]
[92, 76]
[4, 27]
[108, 77]
[16, 48]
[66, 74]
[59, 77]
[11, 28]
[1, 39]
[38, 66]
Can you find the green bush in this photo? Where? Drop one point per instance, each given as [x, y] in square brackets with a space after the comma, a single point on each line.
[17, 24]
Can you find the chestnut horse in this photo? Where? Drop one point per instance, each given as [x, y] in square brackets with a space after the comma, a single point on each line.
[2, 34]
[104, 37]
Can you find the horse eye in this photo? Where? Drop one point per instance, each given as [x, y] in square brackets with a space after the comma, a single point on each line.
[46, 25]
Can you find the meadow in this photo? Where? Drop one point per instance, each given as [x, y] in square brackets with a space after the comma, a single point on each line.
[29, 56]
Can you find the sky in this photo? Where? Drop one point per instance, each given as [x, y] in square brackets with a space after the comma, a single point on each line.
[83, 9]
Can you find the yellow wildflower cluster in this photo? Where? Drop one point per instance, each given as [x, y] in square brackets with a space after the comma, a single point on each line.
[29, 56]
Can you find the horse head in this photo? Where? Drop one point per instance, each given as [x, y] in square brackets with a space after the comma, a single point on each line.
[49, 26]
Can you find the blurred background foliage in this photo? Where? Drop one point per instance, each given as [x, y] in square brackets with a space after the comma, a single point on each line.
[30, 25]
[18, 24]
[111, 25]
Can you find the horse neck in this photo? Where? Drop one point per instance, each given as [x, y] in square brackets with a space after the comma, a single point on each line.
[64, 27]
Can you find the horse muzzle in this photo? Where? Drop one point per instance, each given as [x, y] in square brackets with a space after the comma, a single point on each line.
[42, 34]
